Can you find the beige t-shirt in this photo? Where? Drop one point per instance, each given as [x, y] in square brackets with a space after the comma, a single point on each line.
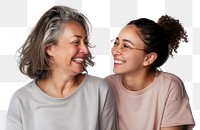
[163, 103]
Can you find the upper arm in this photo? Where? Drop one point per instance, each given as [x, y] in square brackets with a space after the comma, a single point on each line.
[174, 128]
[108, 116]
[177, 111]
[13, 119]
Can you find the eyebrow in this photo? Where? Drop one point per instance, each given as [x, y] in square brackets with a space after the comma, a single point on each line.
[78, 36]
[125, 40]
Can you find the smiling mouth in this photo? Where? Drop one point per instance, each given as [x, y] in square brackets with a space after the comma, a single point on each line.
[119, 62]
[78, 60]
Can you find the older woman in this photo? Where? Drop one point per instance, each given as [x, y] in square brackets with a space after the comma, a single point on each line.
[61, 96]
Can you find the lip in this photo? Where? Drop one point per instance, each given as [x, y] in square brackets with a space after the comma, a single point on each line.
[118, 62]
[78, 60]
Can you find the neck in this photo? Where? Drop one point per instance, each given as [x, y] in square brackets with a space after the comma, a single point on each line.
[139, 81]
[60, 86]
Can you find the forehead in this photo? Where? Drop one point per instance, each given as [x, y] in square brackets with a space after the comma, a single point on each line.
[131, 33]
[72, 28]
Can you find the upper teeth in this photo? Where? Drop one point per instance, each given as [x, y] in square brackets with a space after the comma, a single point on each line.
[118, 61]
[78, 59]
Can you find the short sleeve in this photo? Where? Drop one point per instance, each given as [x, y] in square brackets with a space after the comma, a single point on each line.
[108, 120]
[177, 110]
[13, 119]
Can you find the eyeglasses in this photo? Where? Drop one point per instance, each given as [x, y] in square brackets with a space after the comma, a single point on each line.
[126, 45]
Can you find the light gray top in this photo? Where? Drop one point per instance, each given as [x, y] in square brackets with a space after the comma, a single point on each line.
[90, 107]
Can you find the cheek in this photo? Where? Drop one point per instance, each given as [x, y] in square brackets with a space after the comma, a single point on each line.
[71, 50]
[87, 50]
[133, 58]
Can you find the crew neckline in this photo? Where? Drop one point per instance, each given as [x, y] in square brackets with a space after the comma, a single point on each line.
[48, 97]
[142, 91]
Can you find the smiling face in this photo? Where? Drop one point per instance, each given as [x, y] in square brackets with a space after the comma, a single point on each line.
[128, 51]
[68, 55]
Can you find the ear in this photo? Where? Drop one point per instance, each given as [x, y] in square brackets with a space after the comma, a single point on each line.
[50, 49]
[150, 58]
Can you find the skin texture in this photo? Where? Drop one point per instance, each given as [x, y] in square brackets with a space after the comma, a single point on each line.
[67, 58]
[174, 128]
[72, 44]
[133, 63]
[131, 59]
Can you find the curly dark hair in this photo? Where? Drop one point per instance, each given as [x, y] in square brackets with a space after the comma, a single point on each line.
[162, 38]
[175, 31]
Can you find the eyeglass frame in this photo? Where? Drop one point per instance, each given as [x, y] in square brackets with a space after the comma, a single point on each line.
[139, 49]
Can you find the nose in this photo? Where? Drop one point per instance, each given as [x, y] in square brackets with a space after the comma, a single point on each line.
[116, 50]
[84, 48]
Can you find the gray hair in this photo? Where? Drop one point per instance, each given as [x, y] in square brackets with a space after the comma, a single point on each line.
[33, 60]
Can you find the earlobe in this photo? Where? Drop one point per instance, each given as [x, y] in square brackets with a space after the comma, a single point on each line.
[150, 58]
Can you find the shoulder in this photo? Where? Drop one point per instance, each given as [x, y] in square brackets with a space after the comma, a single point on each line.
[174, 85]
[98, 85]
[97, 82]
[170, 76]
[171, 79]
[21, 94]
[24, 91]
[112, 78]
[94, 79]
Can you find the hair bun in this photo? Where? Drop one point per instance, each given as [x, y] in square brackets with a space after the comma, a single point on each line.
[175, 31]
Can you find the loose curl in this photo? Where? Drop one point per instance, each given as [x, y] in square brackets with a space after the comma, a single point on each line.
[162, 38]
[175, 31]
[33, 59]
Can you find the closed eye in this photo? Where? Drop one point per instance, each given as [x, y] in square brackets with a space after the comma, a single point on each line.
[76, 43]
[115, 43]
[127, 46]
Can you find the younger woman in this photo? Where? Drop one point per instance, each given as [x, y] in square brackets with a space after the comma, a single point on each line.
[149, 99]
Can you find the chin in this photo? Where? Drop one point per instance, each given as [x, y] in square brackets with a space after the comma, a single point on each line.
[77, 71]
[118, 71]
